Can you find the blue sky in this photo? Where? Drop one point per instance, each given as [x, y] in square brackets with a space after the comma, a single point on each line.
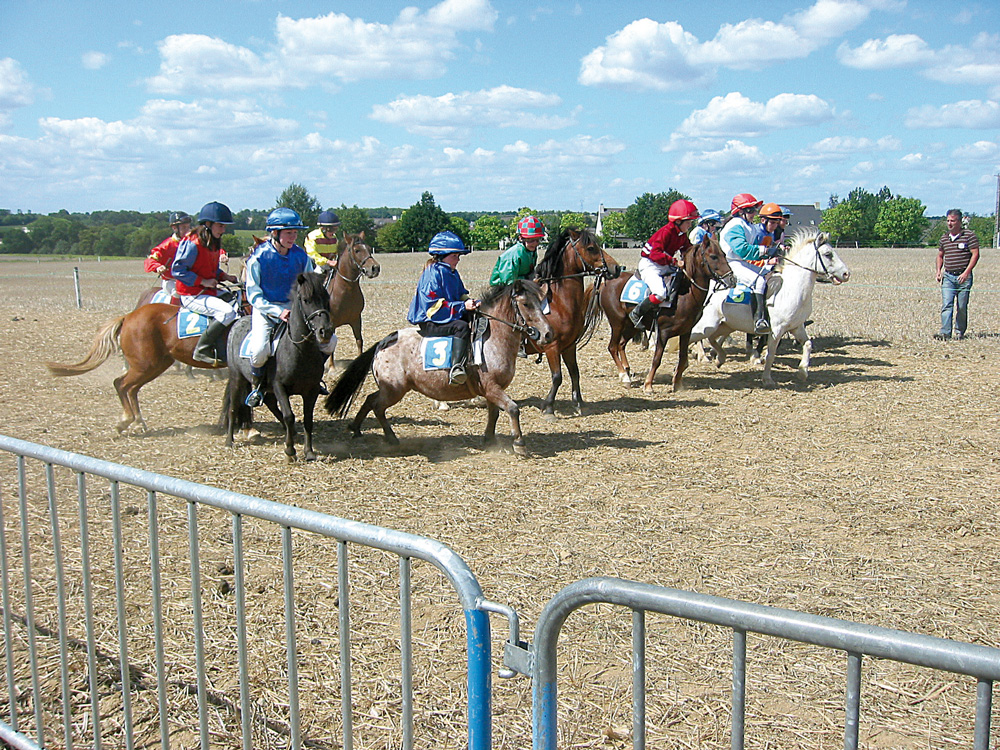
[493, 104]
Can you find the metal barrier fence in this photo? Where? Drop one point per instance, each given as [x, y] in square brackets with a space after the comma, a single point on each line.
[63, 595]
[855, 639]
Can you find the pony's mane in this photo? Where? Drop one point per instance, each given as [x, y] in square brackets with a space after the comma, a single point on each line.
[495, 295]
[551, 264]
[312, 290]
[801, 236]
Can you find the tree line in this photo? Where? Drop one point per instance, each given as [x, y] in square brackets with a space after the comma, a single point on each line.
[862, 218]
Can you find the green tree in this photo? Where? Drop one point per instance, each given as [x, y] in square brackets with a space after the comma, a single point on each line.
[15, 241]
[570, 220]
[612, 226]
[843, 222]
[649, 212]
[421, 221]
[983, 226]
[297, 198]
[355, 220]
[487, 233]
[901, 221]
[460, 227]
[390, 238]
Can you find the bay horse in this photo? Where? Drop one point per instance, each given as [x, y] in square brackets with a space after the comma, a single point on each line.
[147, 338]
[343, 284]
[512, 311]
[811, 258]
[295, 367]
[702, 264]
[568, 260]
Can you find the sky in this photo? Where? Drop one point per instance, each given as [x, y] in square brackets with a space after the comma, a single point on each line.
[492, 105]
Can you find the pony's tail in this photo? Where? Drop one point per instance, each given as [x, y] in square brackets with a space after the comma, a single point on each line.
[345, 390]
[592, 317]
[105, 344]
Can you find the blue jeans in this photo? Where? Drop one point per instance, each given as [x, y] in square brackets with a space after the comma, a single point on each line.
[954, 298]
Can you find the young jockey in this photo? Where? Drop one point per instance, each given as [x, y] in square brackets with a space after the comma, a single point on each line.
[441, 301]
[661, 258]
[518, 261]
[161, 257]
[321, 243]
[271, 271]
[708, 224]
[197, 274]
[743, 246]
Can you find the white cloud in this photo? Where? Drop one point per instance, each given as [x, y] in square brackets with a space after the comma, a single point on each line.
[94, 60]
[334, 49]
[664, 57]
[735, 159]
[15, 89]
[736, 115]
[980, 151]
[914, 160]
[895, 51]
[455, 115]
[972, 114]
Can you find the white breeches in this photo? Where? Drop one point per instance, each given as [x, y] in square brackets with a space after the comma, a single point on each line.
[750, 275]
[259, 340]
[213, 307]
[169, 286]
[652, 274]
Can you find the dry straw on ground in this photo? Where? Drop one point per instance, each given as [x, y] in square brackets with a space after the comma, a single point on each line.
[868, 493]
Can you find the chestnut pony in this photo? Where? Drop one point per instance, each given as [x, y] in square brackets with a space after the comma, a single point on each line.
[703, 263]
[343, 284]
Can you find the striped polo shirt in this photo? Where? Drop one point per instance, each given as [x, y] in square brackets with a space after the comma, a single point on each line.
[957, 250]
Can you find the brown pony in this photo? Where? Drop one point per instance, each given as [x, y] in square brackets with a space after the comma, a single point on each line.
[703, 263]
[147, 338]
[569, 259]
[343, 283]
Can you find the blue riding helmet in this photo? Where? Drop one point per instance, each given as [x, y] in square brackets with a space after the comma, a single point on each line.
[215, 212]
[284, 218]
[179, 217]
[446, 243]
[710, 215]
[785, 212]
[328, 219]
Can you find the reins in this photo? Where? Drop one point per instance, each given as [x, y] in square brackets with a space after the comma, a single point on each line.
[308, 321]
[824, 273]
[521, 327]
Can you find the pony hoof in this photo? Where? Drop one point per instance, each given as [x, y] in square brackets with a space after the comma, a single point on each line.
[648, 390]
[802, 375]
[310, 456]
[550, 416]
[520, 449]
[443, 405]
[291, 458]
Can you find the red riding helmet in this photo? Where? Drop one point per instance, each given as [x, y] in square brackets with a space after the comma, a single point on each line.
[530, 227]
[681, 210]
[744, 200]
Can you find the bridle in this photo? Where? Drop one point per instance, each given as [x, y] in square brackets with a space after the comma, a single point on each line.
[363, 267]
[824, 274]
[725, 280]
[308, 320]
[520, 324]
[602, 272]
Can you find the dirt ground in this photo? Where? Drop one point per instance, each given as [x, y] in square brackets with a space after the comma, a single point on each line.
[867, 493]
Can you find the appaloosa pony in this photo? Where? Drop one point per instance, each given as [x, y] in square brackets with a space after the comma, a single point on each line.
[513, 312]
[702, 264]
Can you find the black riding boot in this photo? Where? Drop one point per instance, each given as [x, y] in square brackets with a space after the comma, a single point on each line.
[459, 352]
[639, 313]
[206, 350]
[761, 319]
[670, 282]
[258, 379]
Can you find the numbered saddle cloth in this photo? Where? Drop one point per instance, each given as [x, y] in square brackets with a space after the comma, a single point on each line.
[739, 295]
[634, 291]
[435, 351]
[191, 324]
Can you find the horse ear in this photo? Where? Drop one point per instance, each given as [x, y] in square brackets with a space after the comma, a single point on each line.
[361, 235]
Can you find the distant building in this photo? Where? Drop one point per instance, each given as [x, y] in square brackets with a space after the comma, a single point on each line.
[806, 215]
[621, 239]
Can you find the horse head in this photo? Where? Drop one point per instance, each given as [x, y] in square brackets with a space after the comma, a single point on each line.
[811, 249]
[521, 305]
[575, 252]
[709, 255]
[353, 248]
[311, 304]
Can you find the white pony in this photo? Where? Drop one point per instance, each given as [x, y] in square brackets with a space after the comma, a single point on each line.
[789, 302]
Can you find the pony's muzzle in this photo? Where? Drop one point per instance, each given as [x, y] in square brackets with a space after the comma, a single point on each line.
[374, 270]
[533, 333]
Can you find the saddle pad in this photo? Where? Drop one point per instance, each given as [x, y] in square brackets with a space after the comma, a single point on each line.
[739, 295]
[161, 297]
[436, 352]
[245, 345]
[191, 324]
[634, 291]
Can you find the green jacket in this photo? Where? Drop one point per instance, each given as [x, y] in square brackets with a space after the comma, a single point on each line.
[514, 263]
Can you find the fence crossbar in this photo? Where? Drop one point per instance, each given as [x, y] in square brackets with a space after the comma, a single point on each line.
[856, 639]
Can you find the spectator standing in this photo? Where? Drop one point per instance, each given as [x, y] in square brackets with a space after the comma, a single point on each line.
[958, 253]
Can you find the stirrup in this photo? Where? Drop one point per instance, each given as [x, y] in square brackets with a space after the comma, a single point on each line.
[255, 398]
[761, 326]
[322, 389]
[637, 321]
[457, 375]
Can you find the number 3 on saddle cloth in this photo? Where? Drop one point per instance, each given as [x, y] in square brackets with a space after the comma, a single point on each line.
[436, 351]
